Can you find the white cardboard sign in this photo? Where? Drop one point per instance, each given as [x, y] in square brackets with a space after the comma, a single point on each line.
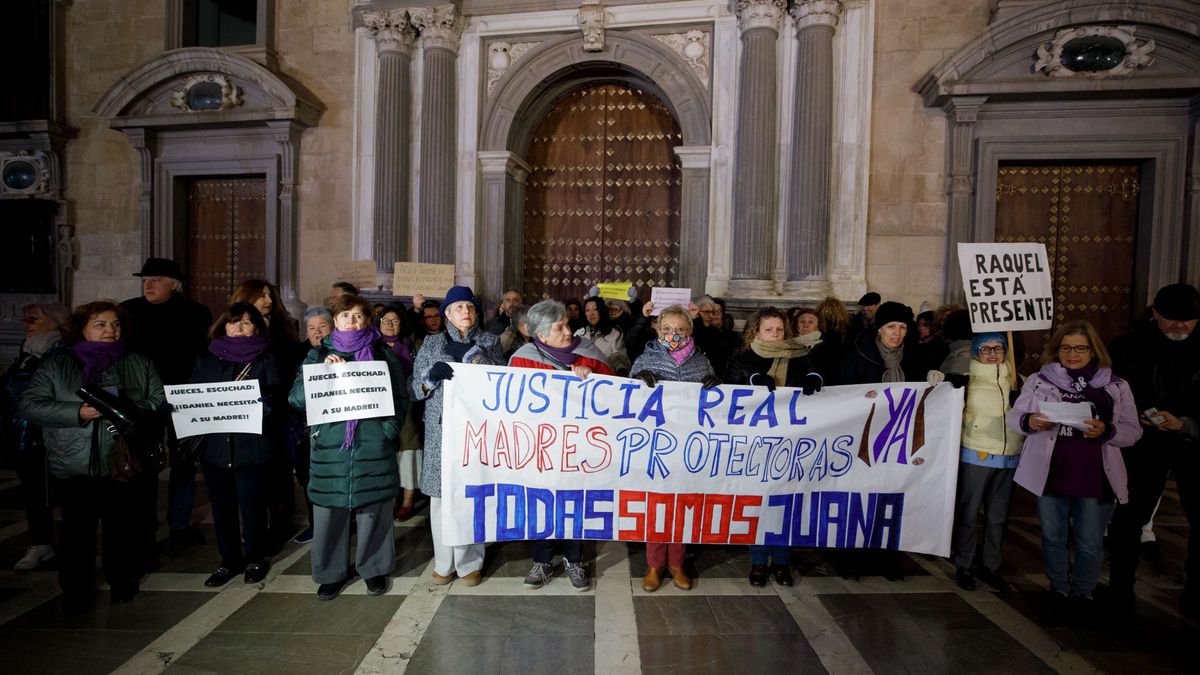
[215, 408]
[664, 297]
[355, 390]
[1007, 286]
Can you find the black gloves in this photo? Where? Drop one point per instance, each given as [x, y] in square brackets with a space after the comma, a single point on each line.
[441, 371]
[710, 381]
[762, 380]
[957, 380]
[812, 383]
[648, 377]
[458, 350]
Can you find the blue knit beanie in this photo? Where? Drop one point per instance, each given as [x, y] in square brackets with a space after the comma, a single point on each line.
[460, 294]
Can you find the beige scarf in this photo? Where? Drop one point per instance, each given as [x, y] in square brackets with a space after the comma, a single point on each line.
[891, 361]
[780, 351]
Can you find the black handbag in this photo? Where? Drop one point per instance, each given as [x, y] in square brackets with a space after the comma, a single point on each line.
[138, 447]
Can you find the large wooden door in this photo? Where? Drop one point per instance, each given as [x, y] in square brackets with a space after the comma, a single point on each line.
[227, 236]
[1087, 217]
[602, 200]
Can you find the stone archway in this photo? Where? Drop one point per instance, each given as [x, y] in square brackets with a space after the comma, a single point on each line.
[531, 87]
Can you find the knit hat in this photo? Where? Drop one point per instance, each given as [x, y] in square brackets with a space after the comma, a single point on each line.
[459, 294]
[893, 311]
[1178, 302]
[871, 298]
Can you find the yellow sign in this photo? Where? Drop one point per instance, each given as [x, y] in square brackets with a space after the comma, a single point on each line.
[425, 279]
[617, 290]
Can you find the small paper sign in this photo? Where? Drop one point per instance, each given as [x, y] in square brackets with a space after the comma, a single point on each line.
[616, 290]
[425, 279]
[215, 408]
[355, 390]
[665, 297]
[361, 273]
[1007, 286]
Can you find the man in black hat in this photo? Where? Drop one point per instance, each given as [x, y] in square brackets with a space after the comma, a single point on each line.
[1161, 361]
[865, 318]
[171, 331]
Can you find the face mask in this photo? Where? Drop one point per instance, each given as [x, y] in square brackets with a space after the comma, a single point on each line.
[674, 341]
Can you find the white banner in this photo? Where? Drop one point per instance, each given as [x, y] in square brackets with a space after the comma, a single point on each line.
[355, 390]
[534, 454]
[215, 408]
[1007, 286]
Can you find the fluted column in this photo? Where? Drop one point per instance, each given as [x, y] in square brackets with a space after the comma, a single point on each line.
[812, 140]
[755, 173]
[441, 29]
[395, 37]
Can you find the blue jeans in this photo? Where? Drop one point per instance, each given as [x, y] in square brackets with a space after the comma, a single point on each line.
[1088, 517]
[780, 555]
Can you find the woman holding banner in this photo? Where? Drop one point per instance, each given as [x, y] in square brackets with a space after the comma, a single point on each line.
[1076, 470]
[353, 463]
[80, 451]
[552, 347]
[672, 357]
[770, 358]
[236, 466]
[463, 341]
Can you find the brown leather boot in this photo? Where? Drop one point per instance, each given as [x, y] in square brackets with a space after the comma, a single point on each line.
[682, 582]
[652, 580]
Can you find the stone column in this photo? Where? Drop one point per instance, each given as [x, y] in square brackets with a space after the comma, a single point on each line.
[696, 167]
[395, 38]
[755, 164]
[441, 29]
[812, 143]
[500, 245]
[961, 113]
[287, 134]
[145, 142]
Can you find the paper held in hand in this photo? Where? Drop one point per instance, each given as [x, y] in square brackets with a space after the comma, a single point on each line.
[1068, 414]
[615, 290]
[336, 392]
[425, 279]
[215, 408]
[665, 297]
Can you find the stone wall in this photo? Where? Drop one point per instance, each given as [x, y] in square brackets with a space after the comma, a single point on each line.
[906, 245]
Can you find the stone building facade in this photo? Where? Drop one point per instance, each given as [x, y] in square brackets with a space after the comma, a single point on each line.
[822, 146]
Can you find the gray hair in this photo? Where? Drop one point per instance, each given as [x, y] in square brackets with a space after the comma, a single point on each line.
[543, 315]
[519, 314]
[54, 312]
[318, 312]
[705, 300]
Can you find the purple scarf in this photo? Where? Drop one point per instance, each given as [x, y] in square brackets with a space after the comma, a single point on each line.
[403, 351]
[358, 343]
[245, 349]
[97, 357]
[681, 354]
[564, 355]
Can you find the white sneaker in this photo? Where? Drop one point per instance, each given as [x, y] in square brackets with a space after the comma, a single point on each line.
[34, 557]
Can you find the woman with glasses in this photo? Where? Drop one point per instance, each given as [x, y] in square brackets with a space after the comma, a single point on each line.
[1076, 469]
[990, 453]
[395, 331]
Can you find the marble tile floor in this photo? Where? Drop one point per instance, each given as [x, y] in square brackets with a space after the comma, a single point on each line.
[924, 624]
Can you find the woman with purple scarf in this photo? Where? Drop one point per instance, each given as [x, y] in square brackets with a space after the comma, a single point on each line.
[79, 451]
[353, 463]
[236, 466]
[1075, 469]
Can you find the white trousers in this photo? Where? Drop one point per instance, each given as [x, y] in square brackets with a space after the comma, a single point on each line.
[447, 559]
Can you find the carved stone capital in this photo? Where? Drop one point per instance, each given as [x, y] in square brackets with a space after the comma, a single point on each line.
[964, 109]
[760, 14]
[441, 27]
[392, 31]
[591, 19]
[501, 55]
[809, 13]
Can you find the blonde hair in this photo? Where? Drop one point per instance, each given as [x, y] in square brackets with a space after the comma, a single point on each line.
[1077, 327]
[676, 311]
[833, 316]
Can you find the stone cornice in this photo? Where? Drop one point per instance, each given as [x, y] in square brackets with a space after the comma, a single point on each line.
[441, 26]
[392, 31]
[823, 13]
[754, 14]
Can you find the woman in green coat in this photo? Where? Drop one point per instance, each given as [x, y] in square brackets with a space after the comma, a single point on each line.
[353, 464]
[79, 450]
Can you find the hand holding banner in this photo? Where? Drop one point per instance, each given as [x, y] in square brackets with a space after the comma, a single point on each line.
[215, 407]
[355, 390]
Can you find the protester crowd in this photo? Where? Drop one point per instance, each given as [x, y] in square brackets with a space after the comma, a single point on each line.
[86, 426]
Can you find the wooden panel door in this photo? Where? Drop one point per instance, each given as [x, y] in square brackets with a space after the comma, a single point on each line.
[1087, 217]
[602, 200]
[227, 236]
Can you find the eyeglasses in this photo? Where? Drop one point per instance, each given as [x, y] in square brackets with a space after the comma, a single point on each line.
[389, 322]
[1000, 349]
[1078, 349]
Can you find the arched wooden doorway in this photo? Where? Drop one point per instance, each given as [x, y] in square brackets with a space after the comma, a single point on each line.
[602, 201]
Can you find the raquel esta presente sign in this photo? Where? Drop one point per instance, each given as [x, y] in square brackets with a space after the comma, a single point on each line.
[1007, 286]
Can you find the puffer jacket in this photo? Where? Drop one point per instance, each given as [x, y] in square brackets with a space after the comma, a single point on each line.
[17, 435]
[1047, 385]
[50, 401]
[238, 450]
[367, 472]
[983, 425]
[656, 359]
[486, 351]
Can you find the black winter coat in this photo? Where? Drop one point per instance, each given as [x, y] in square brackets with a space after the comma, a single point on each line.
[1161, 373]
[863, 363]
[747, 363]
[238, 450]
[172, 334]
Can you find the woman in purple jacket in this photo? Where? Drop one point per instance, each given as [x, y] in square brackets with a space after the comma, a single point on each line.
[1076, 471]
